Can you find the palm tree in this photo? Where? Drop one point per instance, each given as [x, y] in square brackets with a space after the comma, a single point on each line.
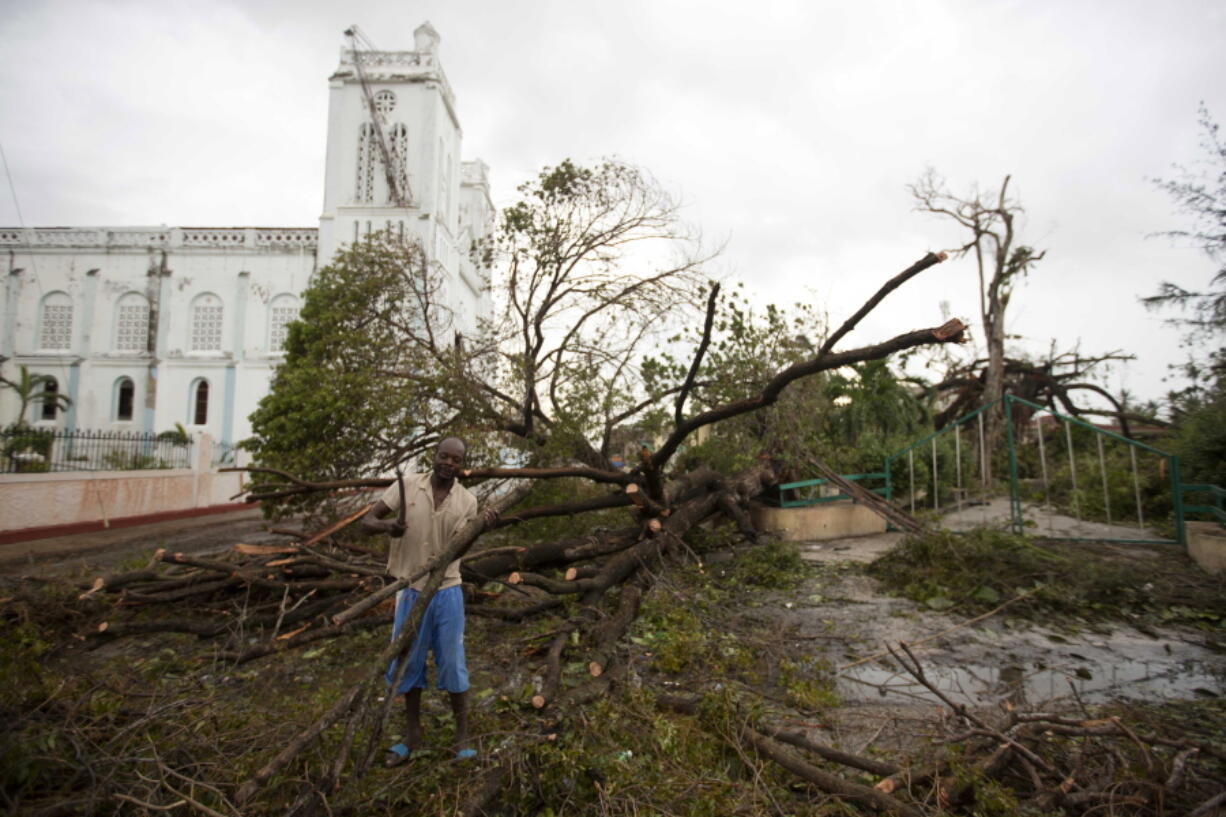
[32, 388]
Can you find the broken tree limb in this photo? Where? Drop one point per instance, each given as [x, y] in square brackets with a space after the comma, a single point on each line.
[583, 471]
[799, 740]
[552, 677]
[298, 486]
[606, 634]
[821, 363]
[929, 260]
[338, 526]
[557, 587]
[499, 562]
[916, 671]
[833, 784]
[733, 510]
[696, 362]
[617, 500]
[303, 636]
[586, 572]
[875, 503]
[643, 502]
[369, 602]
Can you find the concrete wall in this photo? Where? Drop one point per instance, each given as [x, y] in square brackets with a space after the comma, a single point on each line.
[1207, 546]
[44, 500]
[829, 520]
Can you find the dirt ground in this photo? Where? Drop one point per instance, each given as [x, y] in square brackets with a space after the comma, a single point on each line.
[68, 556]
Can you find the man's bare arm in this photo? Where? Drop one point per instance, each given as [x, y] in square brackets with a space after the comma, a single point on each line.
[373, 521]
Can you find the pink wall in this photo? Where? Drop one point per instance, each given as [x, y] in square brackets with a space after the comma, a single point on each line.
[40, 500]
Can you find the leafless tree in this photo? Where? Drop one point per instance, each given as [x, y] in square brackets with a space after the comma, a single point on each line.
[989, 216]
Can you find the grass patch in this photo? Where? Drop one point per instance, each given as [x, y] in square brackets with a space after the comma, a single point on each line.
[774, 565]
[976, 571]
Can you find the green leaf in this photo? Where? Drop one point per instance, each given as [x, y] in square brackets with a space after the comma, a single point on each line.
[987, 595]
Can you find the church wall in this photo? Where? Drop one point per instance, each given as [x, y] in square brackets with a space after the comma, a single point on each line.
[245, 279]
[263, 271]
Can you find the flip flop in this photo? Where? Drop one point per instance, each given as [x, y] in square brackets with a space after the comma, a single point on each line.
[465, 754]
[396, 755]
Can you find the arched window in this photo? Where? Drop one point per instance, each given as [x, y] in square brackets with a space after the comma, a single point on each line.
[125, 398]
[282, 310]
[198, 411]
[132, 323]
[55, 328]
[207, 315]
[49, 405]
[364, 187]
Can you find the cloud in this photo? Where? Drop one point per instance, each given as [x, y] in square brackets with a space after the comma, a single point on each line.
[790, 128]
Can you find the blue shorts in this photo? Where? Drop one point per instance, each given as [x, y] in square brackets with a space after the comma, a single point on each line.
[442, 633]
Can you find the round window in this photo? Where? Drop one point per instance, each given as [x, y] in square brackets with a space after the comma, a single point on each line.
[385, 101]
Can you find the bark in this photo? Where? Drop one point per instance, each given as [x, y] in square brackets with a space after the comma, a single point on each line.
[832, 783]
[798, 740]
[548, 554]
[769, 749]
[696, 361]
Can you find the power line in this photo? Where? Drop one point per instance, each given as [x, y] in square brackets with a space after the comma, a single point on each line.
[12, 190]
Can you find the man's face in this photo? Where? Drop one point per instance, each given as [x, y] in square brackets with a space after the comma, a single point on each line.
[449, 459]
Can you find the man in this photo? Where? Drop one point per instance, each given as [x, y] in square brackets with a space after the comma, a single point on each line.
[436, 508]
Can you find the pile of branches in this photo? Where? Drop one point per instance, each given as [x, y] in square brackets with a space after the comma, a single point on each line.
[297, 593]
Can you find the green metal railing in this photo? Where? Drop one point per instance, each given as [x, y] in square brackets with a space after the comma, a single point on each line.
[1172, 461]
[1213, 509]
[806, 501]
[976, 475]
[950, 465]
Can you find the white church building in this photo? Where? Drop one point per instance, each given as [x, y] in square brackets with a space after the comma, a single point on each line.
[146, 327]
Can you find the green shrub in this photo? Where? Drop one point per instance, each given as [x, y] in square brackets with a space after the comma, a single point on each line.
[28, 448]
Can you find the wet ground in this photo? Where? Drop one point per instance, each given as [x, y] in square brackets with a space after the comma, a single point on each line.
[998, 659]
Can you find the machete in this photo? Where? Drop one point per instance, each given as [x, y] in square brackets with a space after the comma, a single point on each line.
[400, 483]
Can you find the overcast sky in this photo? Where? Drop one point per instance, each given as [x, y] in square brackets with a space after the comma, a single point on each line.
[789, 129]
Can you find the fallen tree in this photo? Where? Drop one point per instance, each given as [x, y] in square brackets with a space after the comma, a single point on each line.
[316, 589]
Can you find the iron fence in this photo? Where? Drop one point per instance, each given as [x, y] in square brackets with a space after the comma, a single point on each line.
[34, 450]
[224, 455]
[1071, 474]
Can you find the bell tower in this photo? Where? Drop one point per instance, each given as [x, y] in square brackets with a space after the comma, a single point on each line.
[393, 147]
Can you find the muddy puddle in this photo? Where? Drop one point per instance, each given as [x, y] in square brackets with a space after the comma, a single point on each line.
[1038, 684]
[845, 620]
